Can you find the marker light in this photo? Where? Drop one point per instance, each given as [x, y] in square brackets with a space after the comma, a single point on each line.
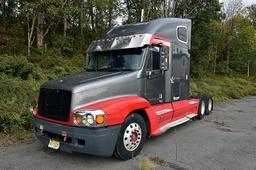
[100, 119]
[78, 120]
[34, 108]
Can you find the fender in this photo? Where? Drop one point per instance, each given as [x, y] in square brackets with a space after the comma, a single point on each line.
[117, 109]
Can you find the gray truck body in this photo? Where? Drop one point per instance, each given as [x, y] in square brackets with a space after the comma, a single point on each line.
[171, 83]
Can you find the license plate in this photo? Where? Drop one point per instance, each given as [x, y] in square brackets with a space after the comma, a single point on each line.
[54, 144]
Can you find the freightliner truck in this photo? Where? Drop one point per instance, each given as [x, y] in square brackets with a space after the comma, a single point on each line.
[136, 85]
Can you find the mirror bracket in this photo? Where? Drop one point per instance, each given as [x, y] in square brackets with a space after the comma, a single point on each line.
[164, 59]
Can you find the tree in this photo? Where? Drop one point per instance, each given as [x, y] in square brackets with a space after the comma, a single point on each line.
[30, 10]
[66, 27]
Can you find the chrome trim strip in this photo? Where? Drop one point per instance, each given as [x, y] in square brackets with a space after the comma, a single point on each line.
[193, 102]
[160, 112]
[191, 115]
[177, 122]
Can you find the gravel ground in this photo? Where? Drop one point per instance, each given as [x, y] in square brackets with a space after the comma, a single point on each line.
[224, 140]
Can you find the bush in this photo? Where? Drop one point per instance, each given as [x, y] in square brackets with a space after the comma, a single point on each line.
[223, 88]
[15, 101]
[16, 66]
[20, 81]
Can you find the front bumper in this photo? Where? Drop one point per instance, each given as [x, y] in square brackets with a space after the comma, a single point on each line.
[98, 141]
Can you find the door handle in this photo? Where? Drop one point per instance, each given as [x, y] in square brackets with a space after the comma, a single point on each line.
[172, 80]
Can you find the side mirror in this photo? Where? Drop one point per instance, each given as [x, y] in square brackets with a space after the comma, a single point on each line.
[164, 58]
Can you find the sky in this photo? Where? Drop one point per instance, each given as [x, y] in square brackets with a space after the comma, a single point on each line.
[249, 2]
[245, 2]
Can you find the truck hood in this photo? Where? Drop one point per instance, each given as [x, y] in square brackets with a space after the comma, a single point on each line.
[72, 81]
[89, 87]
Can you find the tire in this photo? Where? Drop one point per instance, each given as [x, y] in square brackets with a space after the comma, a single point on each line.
[208, 102]
[209, 105]
[131, 138]
[201, 109]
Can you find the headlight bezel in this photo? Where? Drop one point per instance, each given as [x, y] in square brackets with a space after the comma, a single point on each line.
[88, 118]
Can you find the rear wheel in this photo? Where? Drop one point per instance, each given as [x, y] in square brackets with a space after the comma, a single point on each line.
[209, 105]
[208, 102]
[131, 138]
[201, 109]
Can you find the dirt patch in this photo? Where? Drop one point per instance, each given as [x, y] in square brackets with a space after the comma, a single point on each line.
[221, 125]
[227, 129]
[146, 165]
[164, 163]
[7, 139]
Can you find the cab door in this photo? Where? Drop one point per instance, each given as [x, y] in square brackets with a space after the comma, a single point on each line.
[180, 74]
[155, 79]
[180, 81]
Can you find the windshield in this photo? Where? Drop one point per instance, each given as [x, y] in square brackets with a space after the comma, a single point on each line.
[118, 60]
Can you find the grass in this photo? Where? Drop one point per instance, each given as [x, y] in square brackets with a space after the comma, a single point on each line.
[146, 164]
[224, 87]
[23, 136]
[159, 163]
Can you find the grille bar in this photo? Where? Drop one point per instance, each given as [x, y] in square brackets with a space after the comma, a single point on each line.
[54, 103]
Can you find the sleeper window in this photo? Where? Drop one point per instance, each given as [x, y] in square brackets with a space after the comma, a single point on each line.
[182, 34]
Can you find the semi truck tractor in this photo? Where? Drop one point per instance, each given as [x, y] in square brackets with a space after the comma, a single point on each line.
[136, 85]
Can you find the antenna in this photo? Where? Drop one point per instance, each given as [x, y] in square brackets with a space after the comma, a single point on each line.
[142, 15]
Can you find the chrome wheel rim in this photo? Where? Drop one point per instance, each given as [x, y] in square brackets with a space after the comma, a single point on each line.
[210, 105]
[202, 108]
[132, 136]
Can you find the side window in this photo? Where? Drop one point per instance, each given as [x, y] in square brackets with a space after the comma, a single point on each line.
[101, 61]
[182, 34]
[154, 59]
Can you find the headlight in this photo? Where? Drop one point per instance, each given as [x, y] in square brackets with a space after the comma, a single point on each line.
[89, 118]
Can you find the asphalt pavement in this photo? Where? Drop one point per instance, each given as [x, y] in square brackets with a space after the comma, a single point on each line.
[224, 140]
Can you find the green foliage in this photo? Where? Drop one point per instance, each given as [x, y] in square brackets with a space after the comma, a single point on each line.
[19, 84]
[223, 88]
[15, 101]
[65, 28]
[20, 67]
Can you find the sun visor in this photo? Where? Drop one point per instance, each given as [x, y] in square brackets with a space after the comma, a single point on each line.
[123, 42]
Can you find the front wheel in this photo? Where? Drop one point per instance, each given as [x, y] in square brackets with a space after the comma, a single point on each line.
[131, 138]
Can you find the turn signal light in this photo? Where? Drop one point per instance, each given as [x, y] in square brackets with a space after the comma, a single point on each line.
[35, 111]
[100, 119]
[34, 108]
[78, 120]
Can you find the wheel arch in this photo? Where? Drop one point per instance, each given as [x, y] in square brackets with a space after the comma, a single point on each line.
[145, 117]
